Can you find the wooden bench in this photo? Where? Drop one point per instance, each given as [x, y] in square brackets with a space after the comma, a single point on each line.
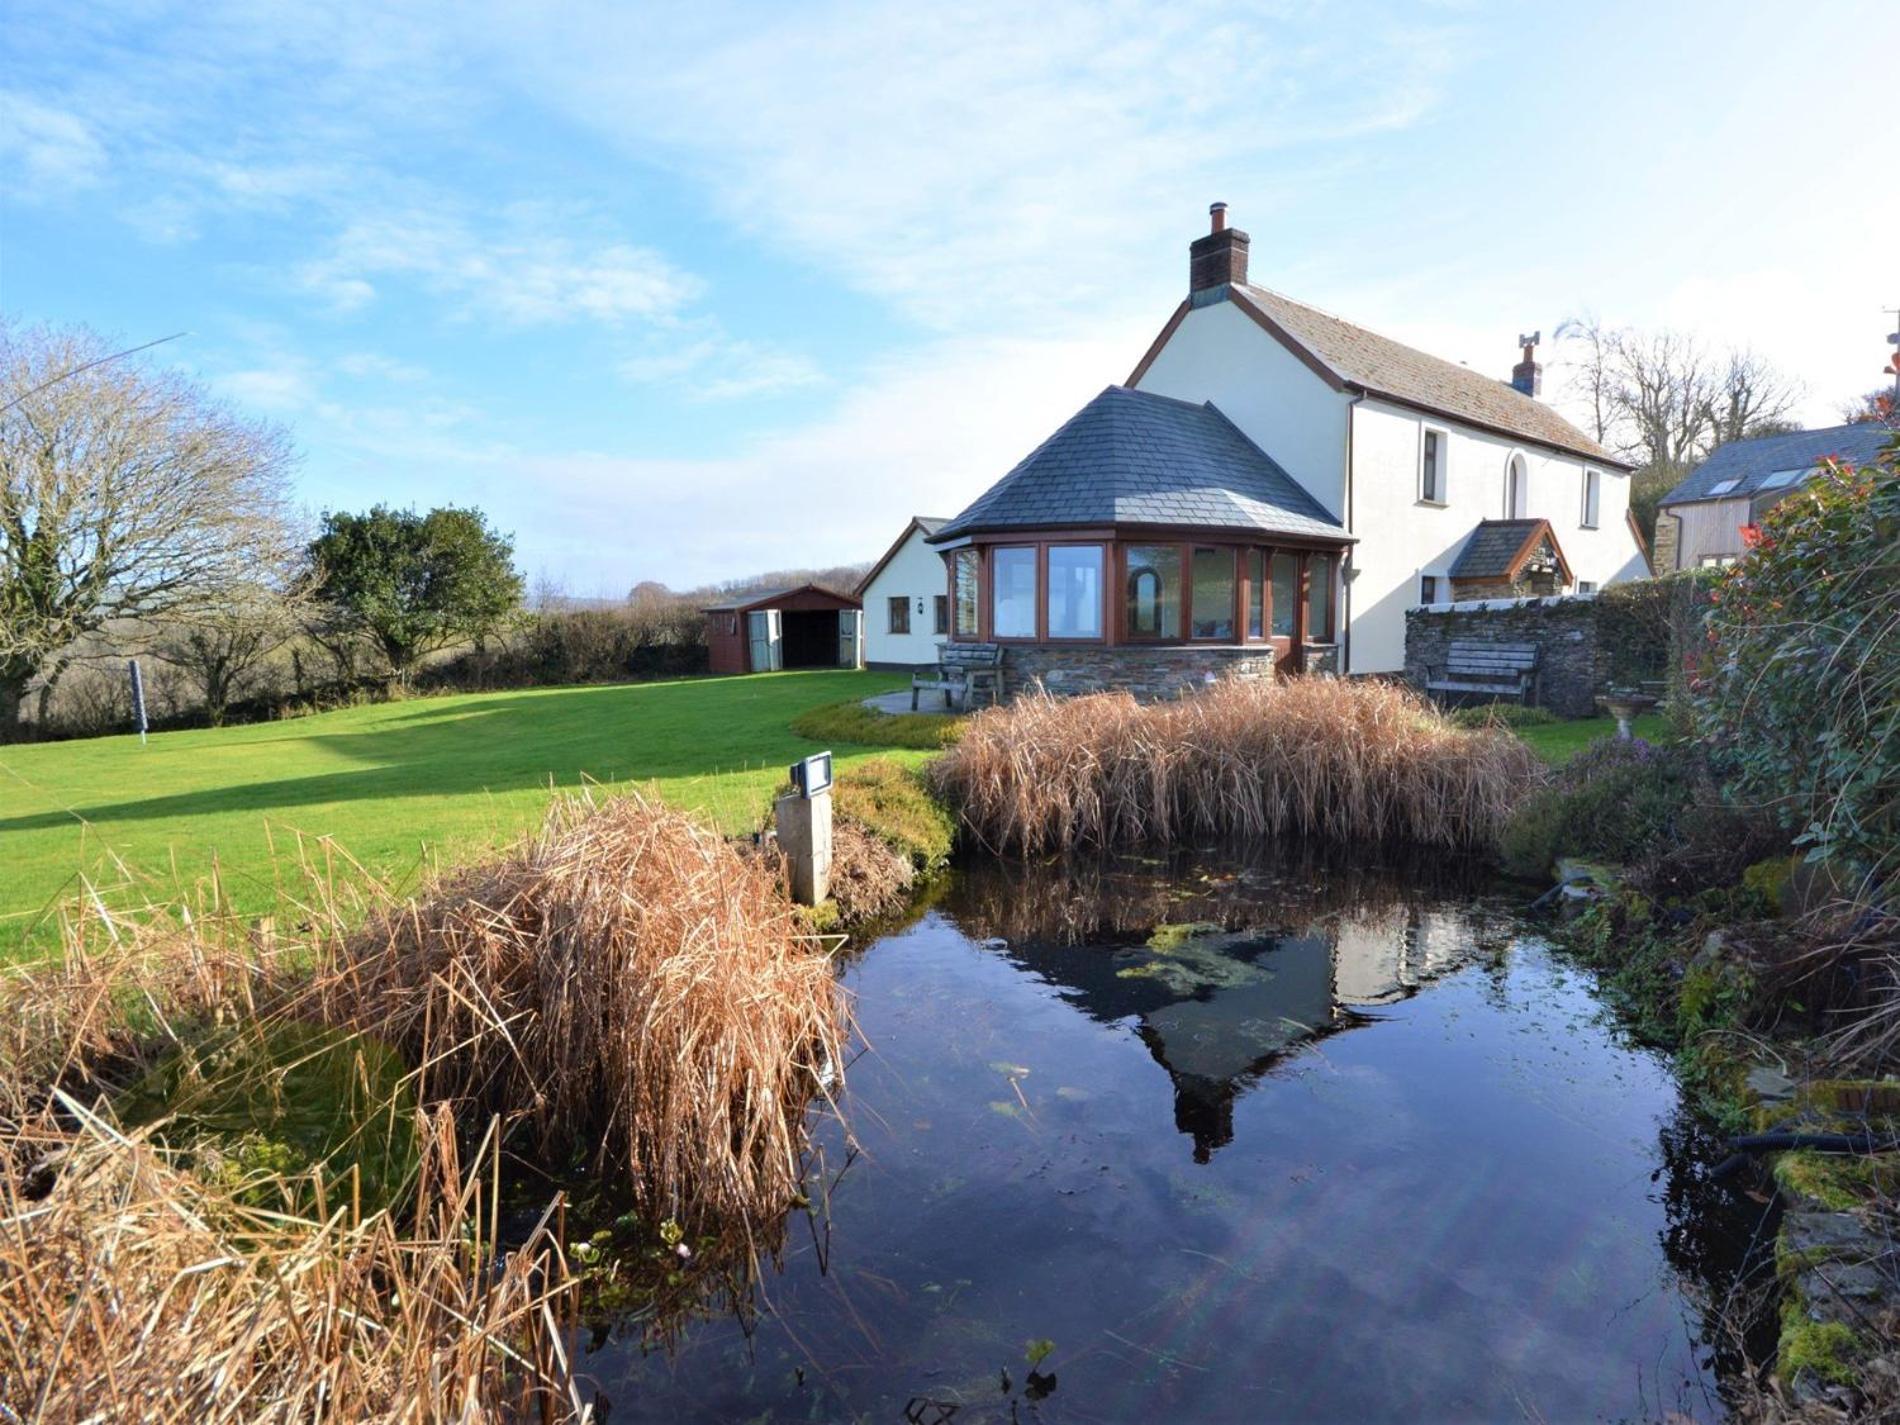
[966, 668]
[1492, 670]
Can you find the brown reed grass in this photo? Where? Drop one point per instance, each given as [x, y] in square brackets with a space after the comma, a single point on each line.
[1345, 761]
[624, 986]
[622, 989]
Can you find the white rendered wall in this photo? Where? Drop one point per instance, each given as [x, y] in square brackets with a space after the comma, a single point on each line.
[1401, 539]
[1220, 354]
[917, 573]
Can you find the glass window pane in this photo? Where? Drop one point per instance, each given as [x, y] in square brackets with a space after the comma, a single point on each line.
[1075, 591]
[1431, 491]
[1154, 591]
[1013, 593]
[1213, 610]
[1319, 600]
[1256, 593]
[1286, 587]
[963, 572]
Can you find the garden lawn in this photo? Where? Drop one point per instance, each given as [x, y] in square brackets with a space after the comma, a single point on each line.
[399, 786]
[1558, 742]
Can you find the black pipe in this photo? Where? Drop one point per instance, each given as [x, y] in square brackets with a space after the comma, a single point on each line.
[1740, 1148]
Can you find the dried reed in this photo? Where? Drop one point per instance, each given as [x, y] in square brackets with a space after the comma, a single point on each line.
[1326, 758]
[626, 986]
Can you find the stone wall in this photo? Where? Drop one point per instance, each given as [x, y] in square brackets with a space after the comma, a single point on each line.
[1148, 673]
[1666, 556]
[1572, 666]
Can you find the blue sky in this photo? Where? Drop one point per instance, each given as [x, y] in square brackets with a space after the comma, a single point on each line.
[684, 292]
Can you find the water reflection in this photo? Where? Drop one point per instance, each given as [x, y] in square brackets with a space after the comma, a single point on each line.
[1224, 970]
[1421, 1178]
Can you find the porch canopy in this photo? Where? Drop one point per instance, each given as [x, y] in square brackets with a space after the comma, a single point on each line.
[1146, 521]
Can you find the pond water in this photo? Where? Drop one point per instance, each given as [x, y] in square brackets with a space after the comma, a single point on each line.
[1243, 1141]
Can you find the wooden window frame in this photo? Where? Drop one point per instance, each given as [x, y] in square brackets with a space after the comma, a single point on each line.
[894, 605]
[1438, 498]
[989, 591]
[1428, 590]
[940, 614]
[1592, 482]
[1105, 548]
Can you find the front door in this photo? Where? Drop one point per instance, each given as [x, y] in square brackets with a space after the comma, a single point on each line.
[766, 645]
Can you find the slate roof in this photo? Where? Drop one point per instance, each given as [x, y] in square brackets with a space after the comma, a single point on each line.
[1494, 546]
[1750, 462]
[765, 598]
[1365, 361]
[1131, 457]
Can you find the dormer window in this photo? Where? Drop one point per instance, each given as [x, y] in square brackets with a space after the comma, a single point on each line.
[1431, 467]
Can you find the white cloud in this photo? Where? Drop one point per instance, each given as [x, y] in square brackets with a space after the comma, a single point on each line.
[53, 148]
[526, 266]
[280, 390]
[373, 366]
[714, 367]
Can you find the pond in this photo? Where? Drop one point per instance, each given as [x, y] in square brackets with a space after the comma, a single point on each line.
[1232, 1140]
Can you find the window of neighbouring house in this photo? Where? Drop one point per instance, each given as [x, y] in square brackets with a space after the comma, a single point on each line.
[1716, 561]
[1428, 589]
[1286, 594]
[1075, 591]
[898, 613]
[1153, 591]
[941, 604]
[1431, 467]
[1517, 494]
[1212, 612]
[966, 567]
[1722, 487]
[1782, 479]
[1256, 594]
[1592, 497]
[1586, 586]
[1013, 591]
[1319, 599]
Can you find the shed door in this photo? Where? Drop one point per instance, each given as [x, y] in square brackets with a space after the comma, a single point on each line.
[767, 644]
[850, 626]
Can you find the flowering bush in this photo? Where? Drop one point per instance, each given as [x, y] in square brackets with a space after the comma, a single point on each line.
[1800, 697]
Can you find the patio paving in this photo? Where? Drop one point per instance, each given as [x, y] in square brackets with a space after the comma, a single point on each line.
[928, 701]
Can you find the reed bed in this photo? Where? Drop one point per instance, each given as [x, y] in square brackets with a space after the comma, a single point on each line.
[624, 986]
[1346, 761]
[623, 990]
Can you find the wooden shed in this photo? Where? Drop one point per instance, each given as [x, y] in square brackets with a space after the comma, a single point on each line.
[806, 627]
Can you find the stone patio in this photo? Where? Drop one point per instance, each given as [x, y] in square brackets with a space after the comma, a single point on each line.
[928, 701]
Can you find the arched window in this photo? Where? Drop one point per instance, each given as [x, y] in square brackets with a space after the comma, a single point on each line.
[1144, 597]
[1516, 488]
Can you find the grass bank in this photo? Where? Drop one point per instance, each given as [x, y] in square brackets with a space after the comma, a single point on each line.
[405, 787]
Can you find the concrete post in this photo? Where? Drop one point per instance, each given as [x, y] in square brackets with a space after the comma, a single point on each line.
[804, 835]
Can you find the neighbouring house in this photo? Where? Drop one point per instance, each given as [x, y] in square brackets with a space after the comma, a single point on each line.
[1699, 523]
[770, 629]
[1272, 489]
[906, 610]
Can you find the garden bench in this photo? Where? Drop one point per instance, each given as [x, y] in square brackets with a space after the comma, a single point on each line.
[966, 668]
[1490, 670]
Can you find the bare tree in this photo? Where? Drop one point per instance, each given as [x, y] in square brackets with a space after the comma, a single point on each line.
[1750, 399]
[220, 650]
[126, 493]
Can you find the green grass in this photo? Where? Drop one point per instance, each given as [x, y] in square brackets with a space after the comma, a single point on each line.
[399, 786]
[1558, 742]
[852, 721]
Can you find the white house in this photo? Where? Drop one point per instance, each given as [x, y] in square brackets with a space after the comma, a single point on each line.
[1411, 452]
[906, 603]
[1300, 463]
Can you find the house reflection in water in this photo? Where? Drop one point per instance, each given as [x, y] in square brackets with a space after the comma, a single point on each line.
[1228, 970]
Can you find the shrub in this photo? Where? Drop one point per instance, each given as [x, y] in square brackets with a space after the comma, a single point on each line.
[1358, 761]
[1617, 800]
[1502, 715]
[1802, 693]
[852, 722]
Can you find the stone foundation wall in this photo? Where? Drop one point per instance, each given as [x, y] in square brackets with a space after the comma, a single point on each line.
[1572, 666]
[1148, 673]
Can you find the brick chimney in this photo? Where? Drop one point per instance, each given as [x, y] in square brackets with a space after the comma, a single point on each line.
[1219, 258]
[1527, 376]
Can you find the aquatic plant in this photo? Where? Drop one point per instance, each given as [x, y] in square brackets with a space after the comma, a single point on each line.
[1348, 761]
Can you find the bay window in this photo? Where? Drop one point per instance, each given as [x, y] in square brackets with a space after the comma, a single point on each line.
[1075, 591]
[966, 567]
[1286, 593]
[1319, 599]
[1256, 594]
[1153, 591]
[1212, 609]
[1013, 591]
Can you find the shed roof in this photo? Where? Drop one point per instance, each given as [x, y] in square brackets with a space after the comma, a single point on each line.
[1497, 549]
[1363, 360]
[765, 598]
[1134, 458]
[1752, 463]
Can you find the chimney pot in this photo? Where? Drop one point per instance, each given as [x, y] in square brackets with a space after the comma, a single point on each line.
[1528, 376]
[1218, 212]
